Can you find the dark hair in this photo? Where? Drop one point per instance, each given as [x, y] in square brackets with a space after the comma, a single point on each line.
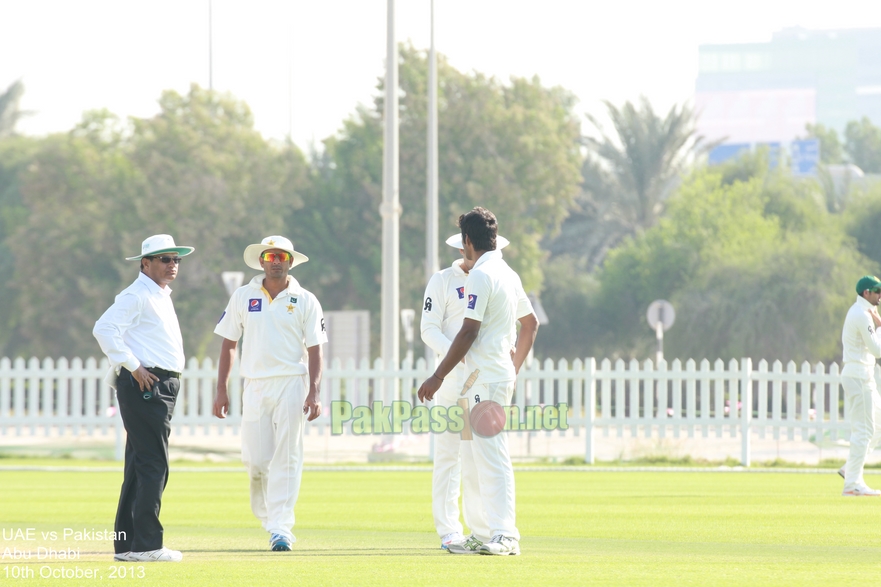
[481, 227]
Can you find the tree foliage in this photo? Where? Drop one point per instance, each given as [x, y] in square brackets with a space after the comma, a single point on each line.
[10, 113]
[627, 177]
[512, 148]
[197, 170]
[863, 145]
[751, 260]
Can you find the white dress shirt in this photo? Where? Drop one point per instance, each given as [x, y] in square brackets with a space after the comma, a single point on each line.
[860, 340]
[141, 328]
[494, 297]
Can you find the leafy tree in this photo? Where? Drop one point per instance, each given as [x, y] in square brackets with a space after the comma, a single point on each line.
[212, 181]
[862, 142]
[628, 177]
[77, 193]
[830, 145]
[512, 148]
[861, 221]
[10, 113]
[198, 170]
[754, 265]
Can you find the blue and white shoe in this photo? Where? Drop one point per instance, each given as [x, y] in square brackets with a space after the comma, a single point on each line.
[451, 538]
[280, 543]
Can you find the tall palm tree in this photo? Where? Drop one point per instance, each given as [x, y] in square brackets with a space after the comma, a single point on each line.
[9, 110]
[628, 176]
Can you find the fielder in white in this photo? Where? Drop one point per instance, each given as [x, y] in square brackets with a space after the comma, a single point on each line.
[442, 312]
[861, 343]
[495, 302]
[282, 329]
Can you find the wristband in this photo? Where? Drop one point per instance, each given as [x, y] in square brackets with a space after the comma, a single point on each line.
[435, 376]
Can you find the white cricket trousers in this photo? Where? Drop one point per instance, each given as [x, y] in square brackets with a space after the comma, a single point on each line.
[488, 461]
[272, 447]
[863, 409]
[447, 475]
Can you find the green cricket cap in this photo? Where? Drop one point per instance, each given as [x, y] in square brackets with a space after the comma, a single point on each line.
[867, 282]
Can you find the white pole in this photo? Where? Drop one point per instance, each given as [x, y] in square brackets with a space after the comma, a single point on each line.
[431, 215]
[210, 47]
[390, 210]
[659, 334]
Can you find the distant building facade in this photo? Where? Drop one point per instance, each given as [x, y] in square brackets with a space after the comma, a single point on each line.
[765, 93]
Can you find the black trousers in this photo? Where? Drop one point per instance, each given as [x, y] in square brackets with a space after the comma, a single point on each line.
[147, 425]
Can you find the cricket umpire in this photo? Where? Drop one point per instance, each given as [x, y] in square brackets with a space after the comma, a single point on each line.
[282, 329]
[141, 337]
[861, 342]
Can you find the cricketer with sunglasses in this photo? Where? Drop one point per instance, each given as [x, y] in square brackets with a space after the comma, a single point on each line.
[861, 342]
[282, 329]
[141, 337]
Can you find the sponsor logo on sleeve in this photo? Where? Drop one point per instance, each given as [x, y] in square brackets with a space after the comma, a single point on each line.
[427, 307]
[461, 292]
[472, 301]
[221, 317]
[255, 305]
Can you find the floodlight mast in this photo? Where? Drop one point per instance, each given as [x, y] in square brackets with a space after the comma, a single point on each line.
[431, 215]
[390, 210]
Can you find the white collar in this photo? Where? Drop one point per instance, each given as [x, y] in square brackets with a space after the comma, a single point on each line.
[292, 287]
[152, 285]
[487, 257]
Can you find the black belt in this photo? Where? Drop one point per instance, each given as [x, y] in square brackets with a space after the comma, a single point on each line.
[163, 373]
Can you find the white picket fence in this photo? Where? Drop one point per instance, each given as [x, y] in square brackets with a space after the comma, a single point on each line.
[625, 398]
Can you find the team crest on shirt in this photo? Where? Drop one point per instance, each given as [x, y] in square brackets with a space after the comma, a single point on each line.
[293, 300]
[461, 292]
[472, 301]
[255, 305]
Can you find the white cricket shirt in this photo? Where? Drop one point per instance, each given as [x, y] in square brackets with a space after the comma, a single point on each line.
[442, 310]
[141, 328]
[860, 340]
[275, 333]
[494, 296]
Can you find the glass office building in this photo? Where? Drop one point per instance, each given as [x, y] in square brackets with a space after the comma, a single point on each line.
[767, 92]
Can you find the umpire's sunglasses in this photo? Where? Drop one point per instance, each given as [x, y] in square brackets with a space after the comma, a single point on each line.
[167, 259]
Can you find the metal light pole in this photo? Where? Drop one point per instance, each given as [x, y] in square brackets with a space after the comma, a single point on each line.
[431, 263]
[210, 47]
[390, 210]
[431, 213]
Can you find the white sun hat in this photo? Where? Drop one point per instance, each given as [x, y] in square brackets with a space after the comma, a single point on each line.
[158, 244]
[253, 252]
[455, 241]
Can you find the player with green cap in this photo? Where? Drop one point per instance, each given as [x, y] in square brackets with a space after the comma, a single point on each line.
[861, 345]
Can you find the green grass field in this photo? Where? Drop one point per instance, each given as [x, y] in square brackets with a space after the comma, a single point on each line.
[375, 528]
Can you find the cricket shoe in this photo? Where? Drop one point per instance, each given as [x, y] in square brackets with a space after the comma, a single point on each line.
[450, 538]
[159, 555]
[501, 545]
[123, 557]
[862, 490]
[281, 543]
[469, 545]
[841, 472]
